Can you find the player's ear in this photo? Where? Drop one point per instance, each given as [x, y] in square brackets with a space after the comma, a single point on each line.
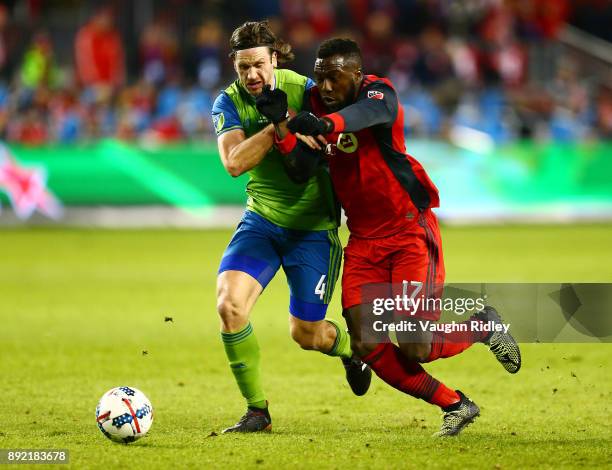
[357, 76]
[274, 59]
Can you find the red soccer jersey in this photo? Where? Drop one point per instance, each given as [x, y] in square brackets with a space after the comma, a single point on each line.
[381, 188]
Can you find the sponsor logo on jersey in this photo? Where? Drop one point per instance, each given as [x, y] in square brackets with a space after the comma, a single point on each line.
[347, 143]
[377, 95]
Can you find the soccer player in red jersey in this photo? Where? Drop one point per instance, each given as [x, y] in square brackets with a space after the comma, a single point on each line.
[394, 235]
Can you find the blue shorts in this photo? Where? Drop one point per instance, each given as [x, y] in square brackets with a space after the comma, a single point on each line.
[310, 259]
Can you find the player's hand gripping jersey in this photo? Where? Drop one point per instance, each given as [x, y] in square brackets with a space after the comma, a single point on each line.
[271, 193]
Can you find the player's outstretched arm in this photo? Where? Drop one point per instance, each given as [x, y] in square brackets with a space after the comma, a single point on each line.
[376, 105]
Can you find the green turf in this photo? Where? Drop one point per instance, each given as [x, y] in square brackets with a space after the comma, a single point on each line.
[78, 308]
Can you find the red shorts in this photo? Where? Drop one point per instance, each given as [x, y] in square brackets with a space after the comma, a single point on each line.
[405, 263]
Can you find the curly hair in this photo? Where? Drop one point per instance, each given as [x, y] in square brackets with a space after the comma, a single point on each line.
[258, 34]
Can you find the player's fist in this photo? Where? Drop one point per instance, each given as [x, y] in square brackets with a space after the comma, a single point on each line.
[308, 124]
[272, 104]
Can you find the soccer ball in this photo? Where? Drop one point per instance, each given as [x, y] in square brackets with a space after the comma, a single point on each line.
[124, 414]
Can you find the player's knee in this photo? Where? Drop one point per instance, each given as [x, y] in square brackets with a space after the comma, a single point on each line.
[232, 313]
[305, 338]
[418, 352]
[307, 342]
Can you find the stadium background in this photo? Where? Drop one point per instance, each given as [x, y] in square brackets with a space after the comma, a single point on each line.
[509, 107]
[509, 104]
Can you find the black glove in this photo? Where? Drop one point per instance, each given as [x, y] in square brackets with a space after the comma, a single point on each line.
[272, 104]
[308, 124]
[301, 164]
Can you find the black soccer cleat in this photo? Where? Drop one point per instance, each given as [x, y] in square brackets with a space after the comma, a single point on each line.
[458, 416]
[503, 345]
[358, 375]
[254, 420]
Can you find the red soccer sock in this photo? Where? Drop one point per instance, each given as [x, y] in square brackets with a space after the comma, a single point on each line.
[451, 344]
[388, 362]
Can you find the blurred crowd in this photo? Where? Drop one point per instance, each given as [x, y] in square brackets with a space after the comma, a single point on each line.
[151, 69]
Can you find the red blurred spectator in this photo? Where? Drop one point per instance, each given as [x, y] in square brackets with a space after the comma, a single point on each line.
[29, 129]
[319, 13]
[552, 15]
[540, 20]
[504, 58]
[99, 52]
[164, 131]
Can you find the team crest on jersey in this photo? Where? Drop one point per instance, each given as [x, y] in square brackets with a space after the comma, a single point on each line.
[218, 121]
[347, 143]
[377, 95]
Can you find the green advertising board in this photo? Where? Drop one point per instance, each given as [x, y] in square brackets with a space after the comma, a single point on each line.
[522, 177]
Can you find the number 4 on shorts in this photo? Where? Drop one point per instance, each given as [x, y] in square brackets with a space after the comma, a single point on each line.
[320, 289]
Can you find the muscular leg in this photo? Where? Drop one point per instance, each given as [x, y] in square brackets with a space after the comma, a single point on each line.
[388, 362]
[236, 295]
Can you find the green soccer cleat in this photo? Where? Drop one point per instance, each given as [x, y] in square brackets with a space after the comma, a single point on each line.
[358, 375]
[254, 420]
[458, 416]
[502, 345]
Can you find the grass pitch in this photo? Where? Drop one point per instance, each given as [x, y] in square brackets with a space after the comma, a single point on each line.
[83, 311]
